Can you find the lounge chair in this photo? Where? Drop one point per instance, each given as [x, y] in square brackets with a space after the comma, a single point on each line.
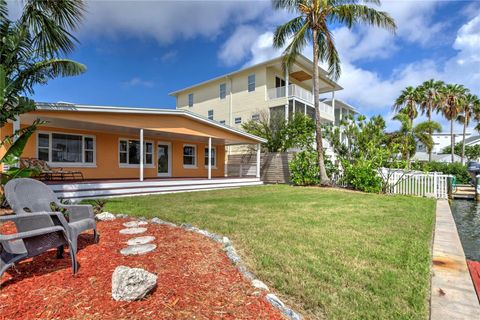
[36, 233]
[28, 195]
[49, 173]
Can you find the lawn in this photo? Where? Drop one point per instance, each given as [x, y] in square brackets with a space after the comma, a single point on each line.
[329, 253]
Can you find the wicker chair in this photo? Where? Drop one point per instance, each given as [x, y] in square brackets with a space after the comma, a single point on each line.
[28, 195]
[36, 233]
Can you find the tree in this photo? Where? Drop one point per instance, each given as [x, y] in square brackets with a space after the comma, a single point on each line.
[311, 24]
[430, 98]
[470, 107]
[453, 96]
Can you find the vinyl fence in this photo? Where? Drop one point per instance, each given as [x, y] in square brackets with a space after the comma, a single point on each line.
[430, 184]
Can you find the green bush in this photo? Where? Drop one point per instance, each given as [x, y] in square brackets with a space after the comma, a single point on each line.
[456, 169]
[362, 176]
[304, 169]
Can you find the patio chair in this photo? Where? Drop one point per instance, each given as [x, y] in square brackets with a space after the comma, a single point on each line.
[49, 173]
[36, 233]
[27, 195]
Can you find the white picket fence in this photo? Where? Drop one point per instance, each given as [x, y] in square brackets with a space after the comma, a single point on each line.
[416, 183]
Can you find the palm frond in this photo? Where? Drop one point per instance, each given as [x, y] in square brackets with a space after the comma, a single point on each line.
[352, 14]
[290, 5]
[284, 32]
[296, 45]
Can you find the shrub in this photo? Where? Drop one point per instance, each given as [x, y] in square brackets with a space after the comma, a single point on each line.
[362, 176]
[456, 169]
[304, 169]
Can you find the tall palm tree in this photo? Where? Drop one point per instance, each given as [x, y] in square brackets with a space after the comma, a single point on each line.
[470, 108]
[312, 24]
[408, 102]
[453, 96]
[430, 97]
[31, 50]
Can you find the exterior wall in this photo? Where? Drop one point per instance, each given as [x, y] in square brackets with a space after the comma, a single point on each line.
[107, 156]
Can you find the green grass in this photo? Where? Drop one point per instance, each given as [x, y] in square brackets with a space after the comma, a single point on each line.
[332, 254]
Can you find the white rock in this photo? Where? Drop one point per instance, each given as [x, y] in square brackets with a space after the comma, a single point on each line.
[226, 241]
[275, 301]
[160, 221]
[133, 230]
[259, 285]
[138, 249]
[105, 216]
[134, 224]
[129, 284]
[140, 240]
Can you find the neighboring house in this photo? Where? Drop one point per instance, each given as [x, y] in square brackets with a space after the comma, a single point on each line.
[441, 141]
[240, 96]
[132, 144]
[423, 157]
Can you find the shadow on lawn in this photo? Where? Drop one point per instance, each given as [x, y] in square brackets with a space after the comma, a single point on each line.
[45, 263]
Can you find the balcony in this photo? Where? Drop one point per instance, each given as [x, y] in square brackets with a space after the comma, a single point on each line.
[299, 94]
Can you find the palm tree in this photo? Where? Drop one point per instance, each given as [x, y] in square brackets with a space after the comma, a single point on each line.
[408, 134]
[430, 96]
[470, 108]
[453, 96]
[312, 24]
[31, 50]
[408, 102]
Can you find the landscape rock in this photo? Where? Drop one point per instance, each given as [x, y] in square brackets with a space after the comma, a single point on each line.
[226, 241]
[130, 284]
[259, 285]
[105, 216]
[232, 255]
[275, 301]
[134, 224]
[247, 274]
[133, 230]
[121, 215]
[138, 249]
[140, 240]
[160, 221]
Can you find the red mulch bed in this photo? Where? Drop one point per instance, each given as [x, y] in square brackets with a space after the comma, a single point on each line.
[195, 280]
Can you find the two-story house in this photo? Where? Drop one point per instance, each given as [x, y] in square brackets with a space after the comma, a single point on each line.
[242, 95]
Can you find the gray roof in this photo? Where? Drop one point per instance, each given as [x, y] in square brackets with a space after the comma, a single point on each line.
[439, 157]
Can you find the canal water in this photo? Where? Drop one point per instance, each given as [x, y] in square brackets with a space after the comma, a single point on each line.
[467, 218]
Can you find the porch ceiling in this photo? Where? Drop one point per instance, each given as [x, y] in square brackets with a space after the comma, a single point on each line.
[170, 133]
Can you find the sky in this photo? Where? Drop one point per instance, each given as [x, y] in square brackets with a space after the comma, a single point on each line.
[137, 52]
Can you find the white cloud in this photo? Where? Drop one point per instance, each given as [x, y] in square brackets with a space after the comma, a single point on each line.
[166, 21]
[138, 82]
[238, 45]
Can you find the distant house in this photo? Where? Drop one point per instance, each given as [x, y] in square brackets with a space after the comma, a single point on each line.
[442, 140]
[447, 158]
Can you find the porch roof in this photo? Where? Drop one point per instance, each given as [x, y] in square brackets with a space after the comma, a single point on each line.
[167, 123]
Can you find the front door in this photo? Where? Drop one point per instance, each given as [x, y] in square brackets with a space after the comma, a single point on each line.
[164, 162]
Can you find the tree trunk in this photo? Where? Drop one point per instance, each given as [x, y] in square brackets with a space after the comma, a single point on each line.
[463, 139]
[324, 180]
[452, 141]
[430, 130]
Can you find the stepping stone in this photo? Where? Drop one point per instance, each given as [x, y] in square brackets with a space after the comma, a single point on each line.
[134, 224]
[133, 230]
[140, 240]
[138, 249]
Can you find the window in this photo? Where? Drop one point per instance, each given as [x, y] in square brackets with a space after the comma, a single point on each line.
[255, 117]
[66, 148]
[251, 82]
[212, 156]
[190, 99]
[223, 90]
[189, 155]
[129, 152]
[279, 82]
[238, 120]
[210, 114]
[222, 121]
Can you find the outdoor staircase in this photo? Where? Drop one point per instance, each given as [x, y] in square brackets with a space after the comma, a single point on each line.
[76, 191]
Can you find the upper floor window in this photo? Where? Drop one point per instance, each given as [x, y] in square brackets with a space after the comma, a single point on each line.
[223, 90]
[210, 114]
[66, 148]
[222, 121]
[129, 152]
[190, 99]
[238, 120]
[279, 82]
[251, 82]
[255, 117]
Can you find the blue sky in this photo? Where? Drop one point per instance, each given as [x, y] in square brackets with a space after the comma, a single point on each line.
[138, 52]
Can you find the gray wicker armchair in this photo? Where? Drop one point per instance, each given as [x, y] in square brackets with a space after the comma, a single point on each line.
[36, 233]
[28, 195]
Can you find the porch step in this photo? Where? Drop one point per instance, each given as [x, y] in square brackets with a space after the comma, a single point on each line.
[82, 191]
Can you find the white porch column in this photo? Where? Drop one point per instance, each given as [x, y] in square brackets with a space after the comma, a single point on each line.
[286, 94]
[258, 160]
[209, 158]
[141, 155]
[333, 101]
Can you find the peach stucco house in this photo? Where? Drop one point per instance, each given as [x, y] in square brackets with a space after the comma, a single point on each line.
[125, 151]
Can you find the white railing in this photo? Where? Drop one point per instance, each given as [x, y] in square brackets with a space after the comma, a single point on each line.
[298, 93]
[415, 183]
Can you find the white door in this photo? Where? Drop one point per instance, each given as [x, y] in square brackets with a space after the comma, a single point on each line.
[164, 159]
